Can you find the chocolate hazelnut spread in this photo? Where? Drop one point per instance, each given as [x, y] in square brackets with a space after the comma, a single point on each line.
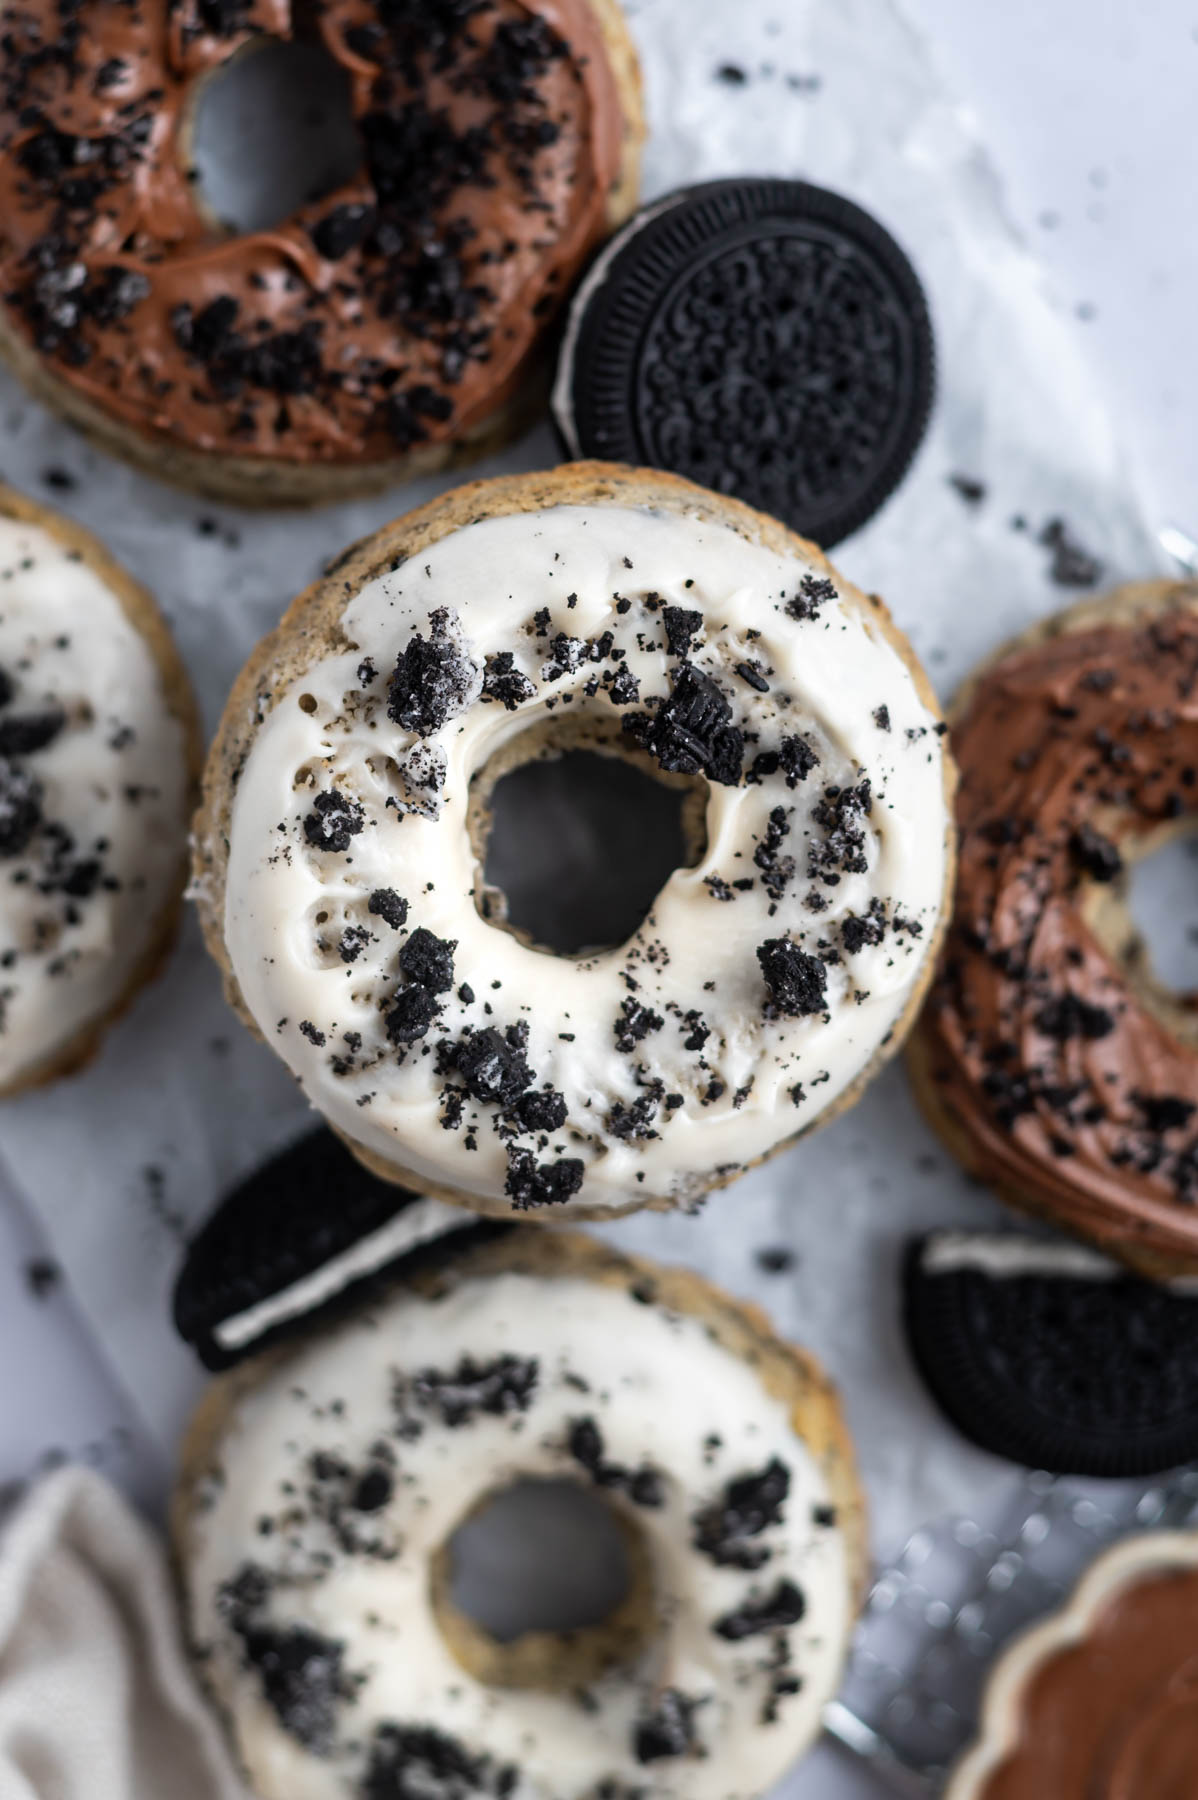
[396, 311]
[1115, 1717]
[1075, 1096]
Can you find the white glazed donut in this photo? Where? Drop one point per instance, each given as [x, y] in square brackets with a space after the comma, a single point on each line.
[338, 878]
[321, 1487]
[97, 759]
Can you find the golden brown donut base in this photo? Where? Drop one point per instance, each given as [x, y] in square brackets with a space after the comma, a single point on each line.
[1111, 921]
[551, 1660]
[310, 630]
[143, 614]
[255, 481]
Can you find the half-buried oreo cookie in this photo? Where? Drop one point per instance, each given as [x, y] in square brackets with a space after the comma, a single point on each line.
[297, 1238]
[768, 339]
[1052, 1356]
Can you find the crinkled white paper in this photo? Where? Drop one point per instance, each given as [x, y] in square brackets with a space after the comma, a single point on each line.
[122, 1162]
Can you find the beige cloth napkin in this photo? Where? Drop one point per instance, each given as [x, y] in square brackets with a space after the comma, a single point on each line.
[96, 1698]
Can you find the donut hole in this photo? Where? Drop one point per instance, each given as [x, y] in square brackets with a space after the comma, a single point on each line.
[1147, 920]
[543, 1584]
[273, 129]
[575, 838]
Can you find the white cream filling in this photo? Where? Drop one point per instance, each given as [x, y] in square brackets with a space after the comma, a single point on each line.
[562, 397]
[757, 1080]
[419, 1222]
[662, 1393]
[1004, 1255]
[114, 779]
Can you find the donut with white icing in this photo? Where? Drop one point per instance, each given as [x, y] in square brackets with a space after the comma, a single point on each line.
[339, 880]
[321, 1486]
[99, 754]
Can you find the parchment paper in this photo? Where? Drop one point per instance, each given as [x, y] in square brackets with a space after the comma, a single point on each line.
[122, 1162]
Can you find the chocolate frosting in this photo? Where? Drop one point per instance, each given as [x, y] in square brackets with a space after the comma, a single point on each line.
[1074, 1095]
[1116, 1716]
[398, 310]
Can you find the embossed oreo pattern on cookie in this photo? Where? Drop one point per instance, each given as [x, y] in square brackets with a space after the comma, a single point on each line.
[303, 1235]
[1051, 1355]
[766, 338]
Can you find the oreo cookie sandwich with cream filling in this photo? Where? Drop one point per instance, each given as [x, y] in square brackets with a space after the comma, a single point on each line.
[1052, 1355]
[766, 338]
[307, 1233]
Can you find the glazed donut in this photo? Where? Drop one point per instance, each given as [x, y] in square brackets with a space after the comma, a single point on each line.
[340, 885]
[99, 757]
[384, 328]
[321, 1486]
[1048, 1057]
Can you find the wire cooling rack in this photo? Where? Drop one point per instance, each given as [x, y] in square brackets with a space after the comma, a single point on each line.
[935, 1619]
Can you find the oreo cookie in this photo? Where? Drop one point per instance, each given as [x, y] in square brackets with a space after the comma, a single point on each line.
[1053, 1356]
[309, 1232]
[767, 339]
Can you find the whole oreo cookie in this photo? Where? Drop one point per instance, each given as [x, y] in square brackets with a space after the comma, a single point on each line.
[768, 339]
[296, 1239]
[1053, 1356]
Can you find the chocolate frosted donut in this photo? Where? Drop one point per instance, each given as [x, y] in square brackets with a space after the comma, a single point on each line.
[379, 331]
[1054, 1065]
[322, 1487]
[99, 752]
[340, 852]
[1101, 1701]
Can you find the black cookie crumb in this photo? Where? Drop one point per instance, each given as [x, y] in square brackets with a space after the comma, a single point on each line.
[335, 818]
[494, 1068]
[1068, 1016]
[814, 592]
[410, 1015]
[746, 1508]
[682, 624]
[690, 733]
[503, 1386]
[20, 808]
[24, 734]
[431, 680]
[776, 1611]
[504, 682]
[634, 1023]
[42, 1276]
[389, 906]
[300, 1672]
[544, 1111]
[669, 1730]
[1071, 565]
[428, 960]
[796, 981]
[1095, 854]
[585, 1443]
[531, 1184]
[411, 1760]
